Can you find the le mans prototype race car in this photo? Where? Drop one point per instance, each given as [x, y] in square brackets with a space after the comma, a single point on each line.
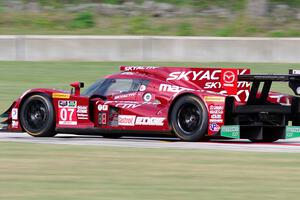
[192, 104]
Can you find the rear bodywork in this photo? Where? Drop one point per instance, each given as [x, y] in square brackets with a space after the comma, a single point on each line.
[235, 111]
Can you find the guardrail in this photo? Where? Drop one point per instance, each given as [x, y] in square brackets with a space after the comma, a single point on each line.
[149, 48]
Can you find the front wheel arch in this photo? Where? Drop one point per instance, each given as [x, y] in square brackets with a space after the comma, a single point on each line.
[47, 100]
[25, 97]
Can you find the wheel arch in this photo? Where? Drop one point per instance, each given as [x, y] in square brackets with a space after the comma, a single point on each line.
[29, 94]
[177, 98]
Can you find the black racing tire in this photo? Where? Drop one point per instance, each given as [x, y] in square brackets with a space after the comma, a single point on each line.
[37, 116]
[269, 140]
[189, 119]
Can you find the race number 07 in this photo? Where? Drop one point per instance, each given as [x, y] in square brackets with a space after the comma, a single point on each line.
[66, 114]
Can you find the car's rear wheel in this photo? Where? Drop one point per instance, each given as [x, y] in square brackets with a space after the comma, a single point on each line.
[189, 118]
[37, 116]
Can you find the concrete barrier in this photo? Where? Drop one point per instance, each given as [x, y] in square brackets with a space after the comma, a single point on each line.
[149, 48]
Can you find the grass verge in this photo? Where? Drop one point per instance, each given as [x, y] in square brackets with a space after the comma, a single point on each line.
[35, 171]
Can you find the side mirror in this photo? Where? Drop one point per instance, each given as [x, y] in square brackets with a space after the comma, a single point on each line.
[76, 85]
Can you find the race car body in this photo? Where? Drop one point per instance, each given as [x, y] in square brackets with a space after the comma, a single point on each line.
[190, 103]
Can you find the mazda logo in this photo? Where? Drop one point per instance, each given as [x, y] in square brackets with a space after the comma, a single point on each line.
[229, 77]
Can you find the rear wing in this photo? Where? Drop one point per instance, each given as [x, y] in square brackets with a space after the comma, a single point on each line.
[293, 79]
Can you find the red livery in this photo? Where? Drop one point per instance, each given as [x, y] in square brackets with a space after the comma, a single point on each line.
[190, 103]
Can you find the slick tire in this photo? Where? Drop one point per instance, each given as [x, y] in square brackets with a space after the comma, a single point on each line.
[189, 119]
[37, 116]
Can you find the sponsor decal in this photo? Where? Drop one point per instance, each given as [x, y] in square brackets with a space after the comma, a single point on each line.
[231, 131]
[142, 88]
[218, 107]
[62, 103]
[216, 120]
[212, 79]
[171, 88]
[67, 116]
[218, 85]
[67, 112]
[151, 121]
[214, 99]
[229, 77]
[126, 120]
[292, 132]
[102, 107]
[147, 97]
[216, 112]
[127, 105]
[60, 96]
[82, 109]
[209, 75]
[82, 117]
[14, 124]
[229, 80]
[134, 68]
[216, 116]
[195, 75]
[14, 113]
[124, 96]
[214, 127]
[82, 112]
[131, 120]
[67, 104]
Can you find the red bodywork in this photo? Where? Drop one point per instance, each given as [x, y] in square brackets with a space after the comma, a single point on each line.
[148, 107]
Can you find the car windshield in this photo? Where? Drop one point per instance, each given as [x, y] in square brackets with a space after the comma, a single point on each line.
[92, 89]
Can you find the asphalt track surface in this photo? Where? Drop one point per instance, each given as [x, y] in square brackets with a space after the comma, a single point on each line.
[290, 146]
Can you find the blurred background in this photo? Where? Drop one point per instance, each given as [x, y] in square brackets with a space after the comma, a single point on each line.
[51, 43]
[271, 18]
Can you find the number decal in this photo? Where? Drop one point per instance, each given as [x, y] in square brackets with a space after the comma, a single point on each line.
[67, 116]
[63, 114]
[103, 118]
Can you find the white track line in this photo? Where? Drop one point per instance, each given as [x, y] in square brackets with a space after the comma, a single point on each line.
[291, 146]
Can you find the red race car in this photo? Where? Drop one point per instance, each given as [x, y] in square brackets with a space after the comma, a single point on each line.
[191, 103]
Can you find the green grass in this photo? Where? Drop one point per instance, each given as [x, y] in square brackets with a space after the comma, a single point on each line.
[35, 171]
[57, 22]
[17, 77]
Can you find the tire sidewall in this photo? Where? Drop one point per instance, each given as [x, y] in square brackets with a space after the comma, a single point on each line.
[48, 129]
[201, 131]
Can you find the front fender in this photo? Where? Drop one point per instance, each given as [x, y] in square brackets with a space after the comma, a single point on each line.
[11, 115]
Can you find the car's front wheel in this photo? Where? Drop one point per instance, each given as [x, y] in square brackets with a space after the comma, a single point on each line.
[37, 116]
[189, 118]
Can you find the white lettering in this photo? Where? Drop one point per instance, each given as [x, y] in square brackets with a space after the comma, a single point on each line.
[173, 76]
[151, 121]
